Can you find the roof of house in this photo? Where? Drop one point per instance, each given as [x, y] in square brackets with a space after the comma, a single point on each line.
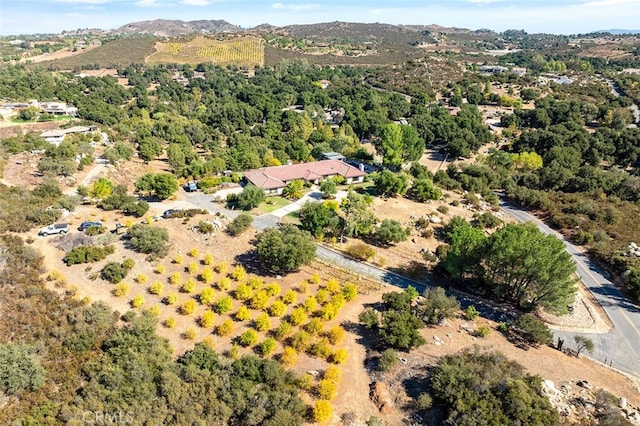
[278, 176]
[56, 133]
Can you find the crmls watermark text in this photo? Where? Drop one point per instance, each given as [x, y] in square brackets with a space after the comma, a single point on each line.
[107, 418]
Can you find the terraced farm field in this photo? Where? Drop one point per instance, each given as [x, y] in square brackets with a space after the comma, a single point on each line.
[242, 51]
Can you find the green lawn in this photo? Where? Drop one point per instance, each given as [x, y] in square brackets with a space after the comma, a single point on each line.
[271, 204]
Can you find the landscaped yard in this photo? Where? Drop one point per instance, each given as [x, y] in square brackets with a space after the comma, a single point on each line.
[271, 204]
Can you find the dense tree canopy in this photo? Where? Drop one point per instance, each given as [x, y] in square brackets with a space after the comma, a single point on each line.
[285, 249]
[480, 388]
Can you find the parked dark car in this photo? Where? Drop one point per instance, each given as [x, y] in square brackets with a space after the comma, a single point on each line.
[169, 213]
[85, 225]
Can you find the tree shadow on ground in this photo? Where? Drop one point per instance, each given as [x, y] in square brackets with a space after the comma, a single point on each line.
[252, 264]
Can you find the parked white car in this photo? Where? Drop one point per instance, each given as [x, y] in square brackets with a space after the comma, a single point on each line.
[57, 228]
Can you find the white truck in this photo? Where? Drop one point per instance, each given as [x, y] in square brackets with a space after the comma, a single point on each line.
[56, 228]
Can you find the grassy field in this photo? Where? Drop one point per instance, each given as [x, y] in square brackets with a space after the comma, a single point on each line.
[113, 54]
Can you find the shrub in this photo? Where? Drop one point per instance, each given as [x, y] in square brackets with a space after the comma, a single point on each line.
[289, 297]
[424, 401]
[206, 296]
[160, 269]
[207, 276]
[137, 301]
[300, 341]
[189, 334]
[259, 300]
[315, 279]
[170, 322]
[223, 305]
[175, 278]
[121, 289]
[322, 411]
[283, 330]
[388, 360]
[310, 304]
[361, 251]
[262, 322]
[114, 272]
[188, 307]
[255, 283]
[322, 296]
[208, 341]
[248, 338]
[288, 357]
[240, 224]
[238, 273]
[339, 356]
[178, 259]
[332, 286]
[443, 209]
[349, 292]
[332, 374]
[128, 263]
[298, 316]
[149, 239]
[335, 334]
[171, 299]
[156, 288]
[193, 268]
[226, 328]
[273, 289]
[320, 349]
[193, 252]
[86, 254]
[267, 346]
[208, 259]
[303, 287]
[141, 279]
[243, 292]
[224, 283]
[207, 319]
[188, 287]
[471, 313]
[483, 330]
[154, 310]
[277, 309]
[243, 314]
[326, 390]
[314, 327]
[534, 331]
[221, 267]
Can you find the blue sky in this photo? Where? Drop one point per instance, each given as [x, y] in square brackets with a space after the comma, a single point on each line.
[553, 16]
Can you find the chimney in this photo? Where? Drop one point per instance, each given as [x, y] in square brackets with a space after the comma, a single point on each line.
[361, 167]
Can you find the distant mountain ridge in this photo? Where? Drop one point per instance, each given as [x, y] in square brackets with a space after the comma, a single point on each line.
[174, 28]
[616, 31]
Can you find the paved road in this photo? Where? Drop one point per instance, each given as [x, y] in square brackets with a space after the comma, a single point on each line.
[620, 346]
[635, 110]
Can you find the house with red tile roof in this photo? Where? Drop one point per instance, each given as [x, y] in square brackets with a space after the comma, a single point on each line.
[274, 179]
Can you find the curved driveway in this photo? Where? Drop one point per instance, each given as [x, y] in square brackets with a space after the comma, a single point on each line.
[620, 347]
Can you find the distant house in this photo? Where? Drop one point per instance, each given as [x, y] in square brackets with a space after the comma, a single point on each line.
[274, 179]
[519, 70]
[58, 108]
[563, 80]
[493, 69]
[56, 136]
[333, 156]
